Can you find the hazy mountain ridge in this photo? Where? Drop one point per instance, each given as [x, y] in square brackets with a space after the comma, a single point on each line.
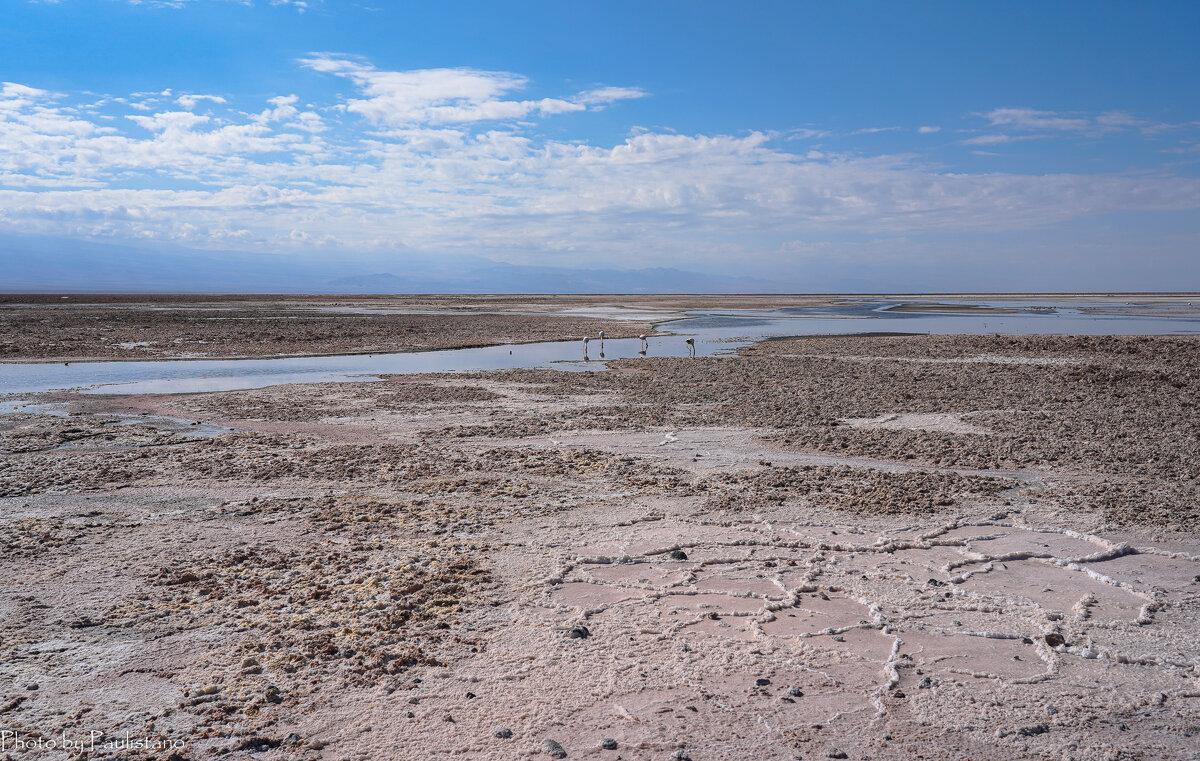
[33, 264]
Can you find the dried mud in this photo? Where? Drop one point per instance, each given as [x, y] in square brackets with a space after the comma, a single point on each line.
[702, 559]
[238, 328]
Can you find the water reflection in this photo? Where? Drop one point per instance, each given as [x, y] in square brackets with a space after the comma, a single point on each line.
[712, 332]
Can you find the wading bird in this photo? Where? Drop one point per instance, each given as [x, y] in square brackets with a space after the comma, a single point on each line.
[585, 343]
[691, 342]
[645, 345]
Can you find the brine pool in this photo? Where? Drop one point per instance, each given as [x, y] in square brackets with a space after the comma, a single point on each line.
[714, 332]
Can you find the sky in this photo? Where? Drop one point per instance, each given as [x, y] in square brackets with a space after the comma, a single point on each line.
[977, 146]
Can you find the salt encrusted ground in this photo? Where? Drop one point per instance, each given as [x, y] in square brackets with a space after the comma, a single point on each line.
[819, 547]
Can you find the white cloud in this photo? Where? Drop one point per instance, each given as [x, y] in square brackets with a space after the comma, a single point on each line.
[436, 159]
[928, 130]
[450, 96]
[1031, 119]
[604, 95]
[191, 101]
[997, 139]
[1052, 122]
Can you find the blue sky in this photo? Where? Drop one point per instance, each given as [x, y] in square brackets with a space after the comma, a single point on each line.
[797, 141]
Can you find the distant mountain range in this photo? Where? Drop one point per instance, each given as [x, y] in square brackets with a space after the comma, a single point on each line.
[30, 264]
[497, 277]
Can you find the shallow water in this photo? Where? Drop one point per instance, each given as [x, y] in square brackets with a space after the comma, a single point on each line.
[715, 332]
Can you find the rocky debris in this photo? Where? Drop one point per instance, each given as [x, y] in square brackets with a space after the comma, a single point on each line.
[504, 733]
[856, 490]
[579, 631]
[553, 749]
[319, 401]
[608, 743]
[1090, 413]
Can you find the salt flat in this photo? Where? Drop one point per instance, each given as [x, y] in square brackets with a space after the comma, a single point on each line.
[790, 552]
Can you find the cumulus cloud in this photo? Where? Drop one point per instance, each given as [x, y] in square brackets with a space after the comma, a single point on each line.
[450, 96]
[445, 159]
[191, 101]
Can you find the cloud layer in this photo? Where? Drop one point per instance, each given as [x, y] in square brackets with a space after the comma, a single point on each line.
[456, 159]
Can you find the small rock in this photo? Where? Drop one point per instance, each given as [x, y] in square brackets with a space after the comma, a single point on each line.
[32, 686]
[1051, 710]
[502, 732]
[552, 748]
[608, 744]
[291, 739]
[835, 753]
[1054, 639]
[409, 715]
[579, 631]
[762, 682]
[681, 755]
[1030, 731]
[678, 555]
[795, 692]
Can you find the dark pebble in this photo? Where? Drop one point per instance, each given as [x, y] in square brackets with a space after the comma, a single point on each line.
[554, 749]
[795, 692]
[762, 682]
[678, 555]
[608, 744]
[502, 732]
[579, 632]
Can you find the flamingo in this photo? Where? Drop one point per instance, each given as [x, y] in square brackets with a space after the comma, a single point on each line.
[644, 344]
[585, 343]
[691, 344]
